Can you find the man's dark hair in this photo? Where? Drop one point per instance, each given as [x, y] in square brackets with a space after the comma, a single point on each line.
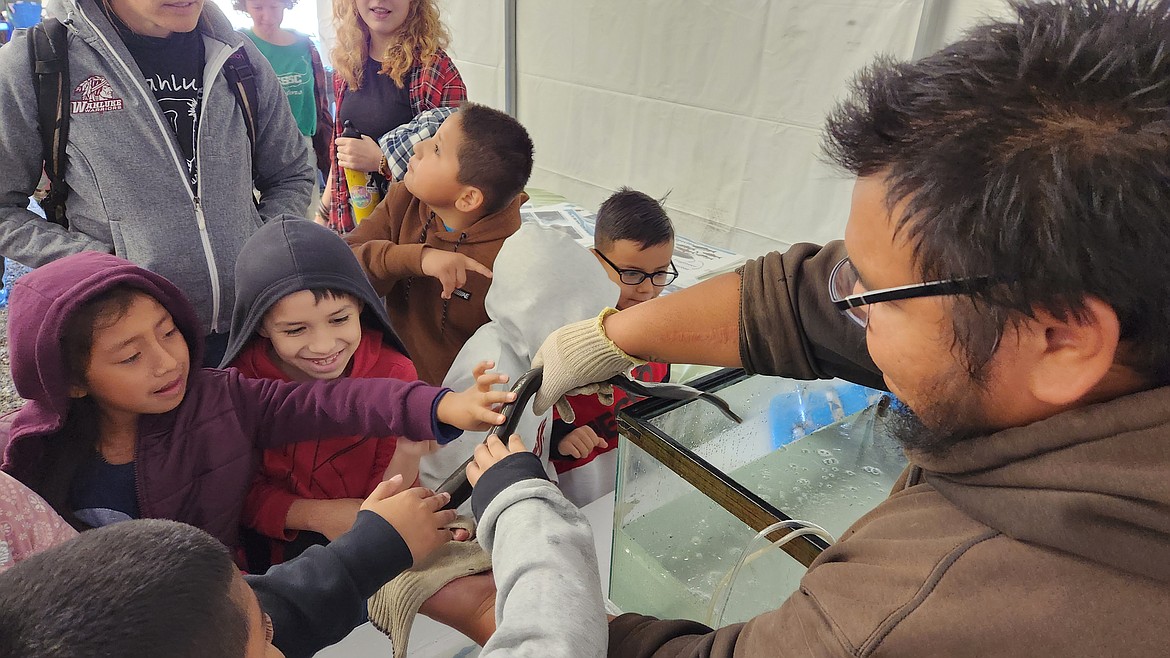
[137, 589]
[495, 156]
[1036, 152]
[631, 215]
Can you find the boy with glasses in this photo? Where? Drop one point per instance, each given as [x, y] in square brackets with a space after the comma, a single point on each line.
[634, 243]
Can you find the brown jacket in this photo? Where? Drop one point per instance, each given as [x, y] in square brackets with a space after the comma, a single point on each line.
[1051, 539]
[389, 246]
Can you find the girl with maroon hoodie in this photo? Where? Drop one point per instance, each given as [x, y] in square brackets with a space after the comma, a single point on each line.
[118, 425]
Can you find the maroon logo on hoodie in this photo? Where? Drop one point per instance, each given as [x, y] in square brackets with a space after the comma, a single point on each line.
[96, 95]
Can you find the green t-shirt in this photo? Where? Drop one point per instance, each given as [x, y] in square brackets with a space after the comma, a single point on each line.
[294, 69]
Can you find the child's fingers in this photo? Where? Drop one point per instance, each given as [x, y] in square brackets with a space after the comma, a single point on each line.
[387, 488]
[496, 447]
[482, 367]
[474, 470]
[487, 380]
[445, 517]
[498, 397]
[516, 444]
[435, 502]
[476, 266]
[487, 416]
[448, 286]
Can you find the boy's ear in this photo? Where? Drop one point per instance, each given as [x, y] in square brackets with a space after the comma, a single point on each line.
[77, 392]
[262, 331]
[470, 199]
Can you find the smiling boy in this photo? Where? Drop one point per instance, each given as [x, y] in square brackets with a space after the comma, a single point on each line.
[634, 243]
[430, 245]
[304, 312]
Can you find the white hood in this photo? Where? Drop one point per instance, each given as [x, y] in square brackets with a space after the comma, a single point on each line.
[542, 281]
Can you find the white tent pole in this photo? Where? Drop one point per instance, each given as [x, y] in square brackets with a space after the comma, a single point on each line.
[510, 67]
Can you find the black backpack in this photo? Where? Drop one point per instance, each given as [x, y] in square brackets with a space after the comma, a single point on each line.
[48, 49]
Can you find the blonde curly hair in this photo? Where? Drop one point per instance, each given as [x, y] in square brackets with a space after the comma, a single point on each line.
[422, 36]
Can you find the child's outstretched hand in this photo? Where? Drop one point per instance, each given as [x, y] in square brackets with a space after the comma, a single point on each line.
[491, 451]
[450, 268]
[417, 514]
[477, 407]
[580, 442]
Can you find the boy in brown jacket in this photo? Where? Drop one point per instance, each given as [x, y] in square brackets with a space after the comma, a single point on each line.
[430, 245]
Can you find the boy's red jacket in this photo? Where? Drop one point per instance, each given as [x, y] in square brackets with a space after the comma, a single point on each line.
[602, 418]
[341, 467]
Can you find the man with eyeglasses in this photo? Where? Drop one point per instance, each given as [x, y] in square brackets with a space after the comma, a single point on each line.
[1005, 274]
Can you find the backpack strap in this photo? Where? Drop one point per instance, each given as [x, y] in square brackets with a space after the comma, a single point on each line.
[238, 71]
[49, 55]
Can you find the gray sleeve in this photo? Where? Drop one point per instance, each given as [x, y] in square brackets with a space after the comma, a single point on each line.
[545, 569]
[24, 236]
[398, 144]
[284, 176]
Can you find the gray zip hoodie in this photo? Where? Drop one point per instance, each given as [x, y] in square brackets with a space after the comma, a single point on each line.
[129, 191]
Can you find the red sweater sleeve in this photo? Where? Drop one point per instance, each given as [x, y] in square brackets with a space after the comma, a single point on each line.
[266, 509]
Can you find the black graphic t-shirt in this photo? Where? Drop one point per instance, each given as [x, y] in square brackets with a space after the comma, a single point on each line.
[173, 67]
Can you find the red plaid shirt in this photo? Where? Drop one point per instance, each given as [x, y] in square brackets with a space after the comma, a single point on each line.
[436, 84]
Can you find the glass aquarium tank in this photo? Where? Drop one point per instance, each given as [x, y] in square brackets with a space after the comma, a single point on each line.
[695, 488]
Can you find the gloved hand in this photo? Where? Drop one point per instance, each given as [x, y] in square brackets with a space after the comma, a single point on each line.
[575, 359]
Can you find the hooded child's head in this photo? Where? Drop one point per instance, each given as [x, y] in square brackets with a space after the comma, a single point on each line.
[96, 327]
[299, 287]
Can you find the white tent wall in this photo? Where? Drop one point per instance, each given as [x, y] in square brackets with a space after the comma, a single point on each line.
[720, 102]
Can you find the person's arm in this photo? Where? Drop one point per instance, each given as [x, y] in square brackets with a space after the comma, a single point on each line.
[317, 598]
[24, 236]
[278, 413]
[543, 559]
[772, 317]
[698, 325]
[799, 628]
[30, 526]
[323, 136]
[266, 508]
[398, 145]
[374, 242]
[284, 177]
[276, 512]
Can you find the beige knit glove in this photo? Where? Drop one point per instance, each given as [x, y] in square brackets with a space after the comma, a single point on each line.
[577, 359]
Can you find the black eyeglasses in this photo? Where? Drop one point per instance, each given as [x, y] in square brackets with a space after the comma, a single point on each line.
[851, 298]
[636, 277]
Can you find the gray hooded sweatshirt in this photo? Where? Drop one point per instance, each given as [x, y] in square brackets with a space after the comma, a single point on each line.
[542, 280]
[128, 179]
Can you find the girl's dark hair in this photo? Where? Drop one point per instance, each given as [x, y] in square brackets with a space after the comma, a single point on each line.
[75, 443]
[1035, 152]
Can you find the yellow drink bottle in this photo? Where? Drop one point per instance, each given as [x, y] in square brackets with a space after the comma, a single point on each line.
[363, 188]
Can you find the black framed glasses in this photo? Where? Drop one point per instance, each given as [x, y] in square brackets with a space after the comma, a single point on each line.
[852, 299]
[631, 277]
